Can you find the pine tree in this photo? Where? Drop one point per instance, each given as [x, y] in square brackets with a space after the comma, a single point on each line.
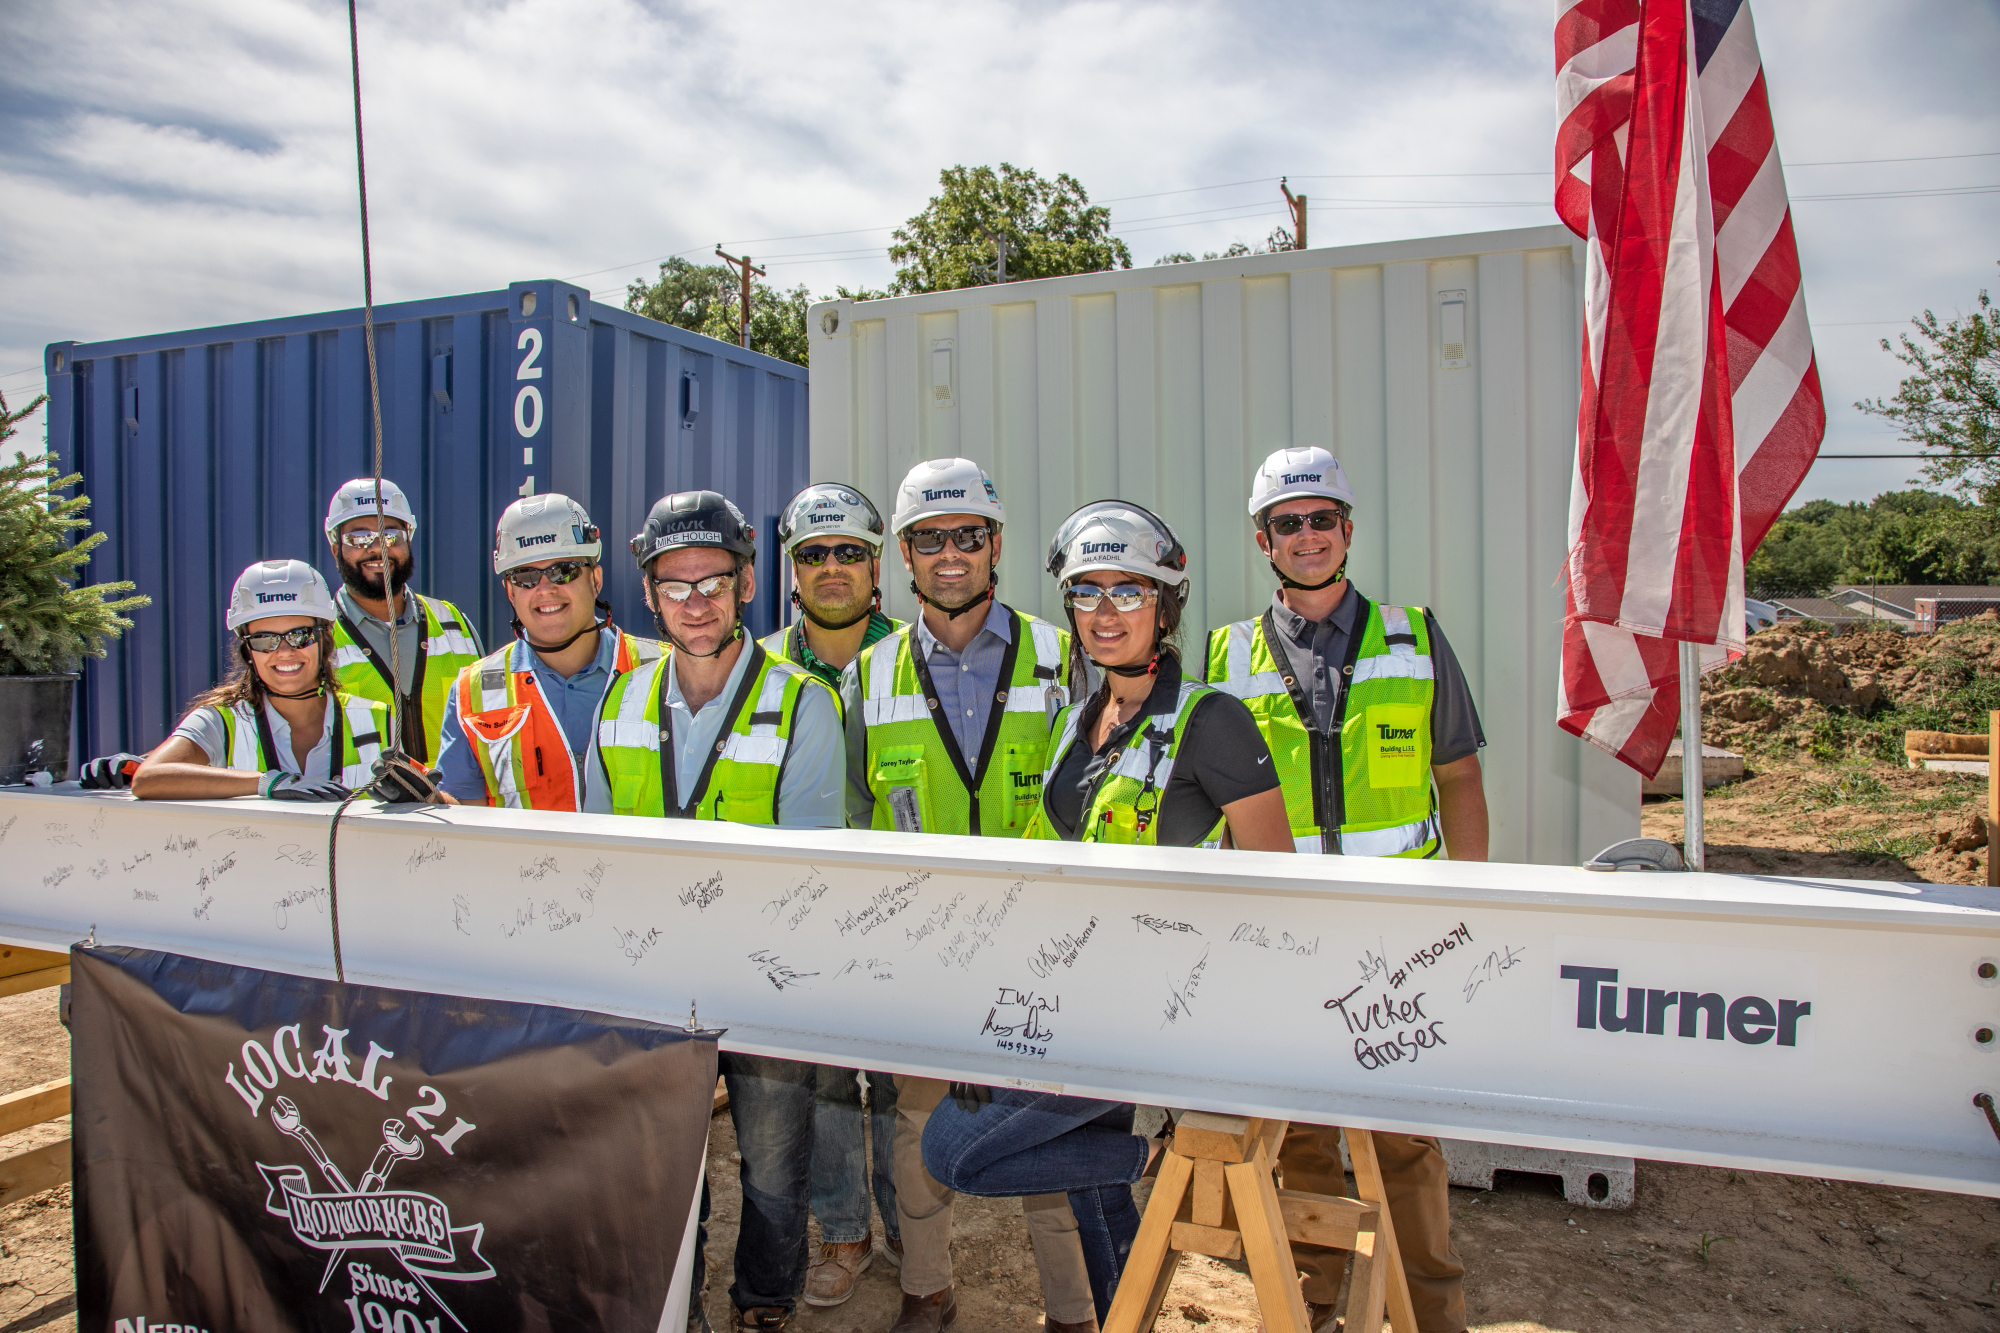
[47, 623]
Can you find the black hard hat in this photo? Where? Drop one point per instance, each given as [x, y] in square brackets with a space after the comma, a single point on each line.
[694, 518]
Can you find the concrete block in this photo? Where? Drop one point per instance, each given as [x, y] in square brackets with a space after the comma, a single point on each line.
[1717, 767]
[1590, 1180]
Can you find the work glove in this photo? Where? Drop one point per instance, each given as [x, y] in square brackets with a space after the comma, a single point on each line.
[278, 786]
[113, 772]
[400, 780]
[971, 1096]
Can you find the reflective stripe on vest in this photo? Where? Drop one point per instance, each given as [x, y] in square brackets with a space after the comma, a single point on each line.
[443, 650]
[515, 737]
[744, 779]
[1124, 806]
[361, 726]
[913, 764]
[1388, 804]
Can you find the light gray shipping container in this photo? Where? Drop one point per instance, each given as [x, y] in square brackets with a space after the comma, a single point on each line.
[1442, 372]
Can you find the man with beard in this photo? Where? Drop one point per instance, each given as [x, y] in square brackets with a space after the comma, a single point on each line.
[434, 639]
[833, 535]
[948, 732]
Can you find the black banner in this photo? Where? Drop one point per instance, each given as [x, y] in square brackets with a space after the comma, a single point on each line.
[259, 1151]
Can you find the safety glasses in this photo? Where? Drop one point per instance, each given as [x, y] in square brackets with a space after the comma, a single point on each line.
[268, 641]
[557, 572]
[367, 539]
[1085, 597]
[1290, 525]
[847, 553]
[929, 541]
[712, 587]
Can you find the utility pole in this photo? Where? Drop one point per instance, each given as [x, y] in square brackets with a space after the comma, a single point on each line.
[744, 266]
[1297, 203]
[999, 239]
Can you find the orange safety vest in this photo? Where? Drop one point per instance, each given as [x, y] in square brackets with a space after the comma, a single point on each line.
[521, 749]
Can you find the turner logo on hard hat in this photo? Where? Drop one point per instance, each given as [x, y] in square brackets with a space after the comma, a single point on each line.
[277, 597]
[550, 526]
[276, 588]
[1298, 474]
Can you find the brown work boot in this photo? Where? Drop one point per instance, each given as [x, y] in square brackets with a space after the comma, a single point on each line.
[926, 1314]
[892, 1252]
[1058, 1326]
[831, 1277]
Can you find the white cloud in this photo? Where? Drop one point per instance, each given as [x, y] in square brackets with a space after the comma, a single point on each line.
[187, 164]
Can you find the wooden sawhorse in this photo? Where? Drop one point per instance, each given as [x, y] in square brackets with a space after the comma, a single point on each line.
[1215, 1196]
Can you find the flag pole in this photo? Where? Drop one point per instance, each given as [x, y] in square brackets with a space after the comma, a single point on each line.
[1693, 769]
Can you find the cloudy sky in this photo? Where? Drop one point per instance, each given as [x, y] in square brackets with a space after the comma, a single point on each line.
[189, 162]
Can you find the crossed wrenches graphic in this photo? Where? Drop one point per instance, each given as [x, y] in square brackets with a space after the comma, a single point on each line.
[395, 1148]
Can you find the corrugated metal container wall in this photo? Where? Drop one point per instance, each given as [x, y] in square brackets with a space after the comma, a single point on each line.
[203, 451]
[1442, 372]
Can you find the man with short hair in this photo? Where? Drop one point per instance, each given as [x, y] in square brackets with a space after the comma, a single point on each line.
[1375, 740]
[948, 732]
[373, 546]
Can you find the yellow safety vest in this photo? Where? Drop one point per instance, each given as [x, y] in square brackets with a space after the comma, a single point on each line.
[359, 726]
[921, 782]
[445, 648]
[789, 645]
[1124, 805]
[520, 747]
[1371, 794]
[740, 780]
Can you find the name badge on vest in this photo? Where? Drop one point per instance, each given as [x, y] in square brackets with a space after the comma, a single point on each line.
[903, 805]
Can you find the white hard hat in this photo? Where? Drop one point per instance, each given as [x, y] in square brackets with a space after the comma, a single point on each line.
[1120, 536]
[946, 486]
[550, 526]
[357, 500]
[279, 588]
[1297, 474]
[829, 509]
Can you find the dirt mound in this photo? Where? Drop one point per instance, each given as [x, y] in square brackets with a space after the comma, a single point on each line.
[1852, 695]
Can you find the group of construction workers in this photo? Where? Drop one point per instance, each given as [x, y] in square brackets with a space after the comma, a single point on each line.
[1327, 723]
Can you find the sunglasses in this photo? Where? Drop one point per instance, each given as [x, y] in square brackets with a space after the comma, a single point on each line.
[558, 572]
[367, 539]
[1085, 597]
[269, 641]
[929, 541]
[1290, 525]
[847, 553]
[712, 587]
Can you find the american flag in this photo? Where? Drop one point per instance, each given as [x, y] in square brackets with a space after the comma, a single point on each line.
[1701, 406]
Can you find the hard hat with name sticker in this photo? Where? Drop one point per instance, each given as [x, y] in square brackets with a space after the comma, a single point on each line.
[544, 527]
[1123, 537]
[279, 588]
[946, 486]
[1297, 474]
[829, 509]
[694, 518]
[357, 500]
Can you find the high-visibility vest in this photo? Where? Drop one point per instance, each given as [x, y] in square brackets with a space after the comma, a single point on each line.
[445, 648]
[1370, 794]
[921, 782]
[359, 726]
[1124, 804]
[739, 780]
[514, 735]
[788, 644]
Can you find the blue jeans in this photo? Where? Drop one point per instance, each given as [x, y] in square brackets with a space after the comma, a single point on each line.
[771, 1103]
[840, 1174]
[1039, 1143]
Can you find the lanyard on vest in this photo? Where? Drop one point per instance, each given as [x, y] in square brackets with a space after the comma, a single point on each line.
[413, 709]
[971, 777]
[1122, 736]
[670, 796]
[267, 747]
[1329, 781]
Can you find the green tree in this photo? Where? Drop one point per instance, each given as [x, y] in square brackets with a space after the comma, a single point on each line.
[1051, 228]
[1913, 536]
[707, 298]
[1279, 239]
[1951, 406]
[1794, 560]
[47, 623]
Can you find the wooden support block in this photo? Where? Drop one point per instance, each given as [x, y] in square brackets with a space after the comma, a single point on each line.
[22, 982]
[1215, 1242]
[1207, 1195]
[1149, 1261]
[1368, 1184]
[14, 960]
[1323, 1219]
[1160, 1285]
[721, 1097]
[31, 1106]
[33, 1171]
[1215, 1138]
[1367, 1281]
[1273, 1272]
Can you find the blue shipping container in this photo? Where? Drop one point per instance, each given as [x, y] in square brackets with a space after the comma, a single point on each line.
[204, 451]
